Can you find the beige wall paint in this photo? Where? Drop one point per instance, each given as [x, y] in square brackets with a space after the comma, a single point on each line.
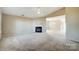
[57, 13]
[13, 25]
[0, 23]
[72, 23]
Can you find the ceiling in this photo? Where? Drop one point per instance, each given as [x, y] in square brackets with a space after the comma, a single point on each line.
[31, 12]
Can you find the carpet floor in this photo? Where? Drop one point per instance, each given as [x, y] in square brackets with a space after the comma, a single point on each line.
[38, 42]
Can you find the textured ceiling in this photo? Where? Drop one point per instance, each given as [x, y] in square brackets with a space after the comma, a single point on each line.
[31, 12]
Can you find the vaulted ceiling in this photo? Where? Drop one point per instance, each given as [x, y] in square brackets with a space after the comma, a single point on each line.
[31, 12]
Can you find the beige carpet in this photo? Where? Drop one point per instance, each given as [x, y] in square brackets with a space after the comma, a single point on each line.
[38, 42]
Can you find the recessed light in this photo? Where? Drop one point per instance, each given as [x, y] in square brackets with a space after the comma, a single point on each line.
[38, 12]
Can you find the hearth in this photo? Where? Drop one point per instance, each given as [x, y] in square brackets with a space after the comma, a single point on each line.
[38, 29]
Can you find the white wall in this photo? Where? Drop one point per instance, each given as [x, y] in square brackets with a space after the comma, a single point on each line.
[13, 25]
[56, 24]
[39, 22]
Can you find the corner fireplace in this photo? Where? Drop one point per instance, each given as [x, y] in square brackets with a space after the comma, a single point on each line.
[38, 29]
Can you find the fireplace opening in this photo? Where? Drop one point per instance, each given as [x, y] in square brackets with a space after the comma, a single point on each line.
[38, 29]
